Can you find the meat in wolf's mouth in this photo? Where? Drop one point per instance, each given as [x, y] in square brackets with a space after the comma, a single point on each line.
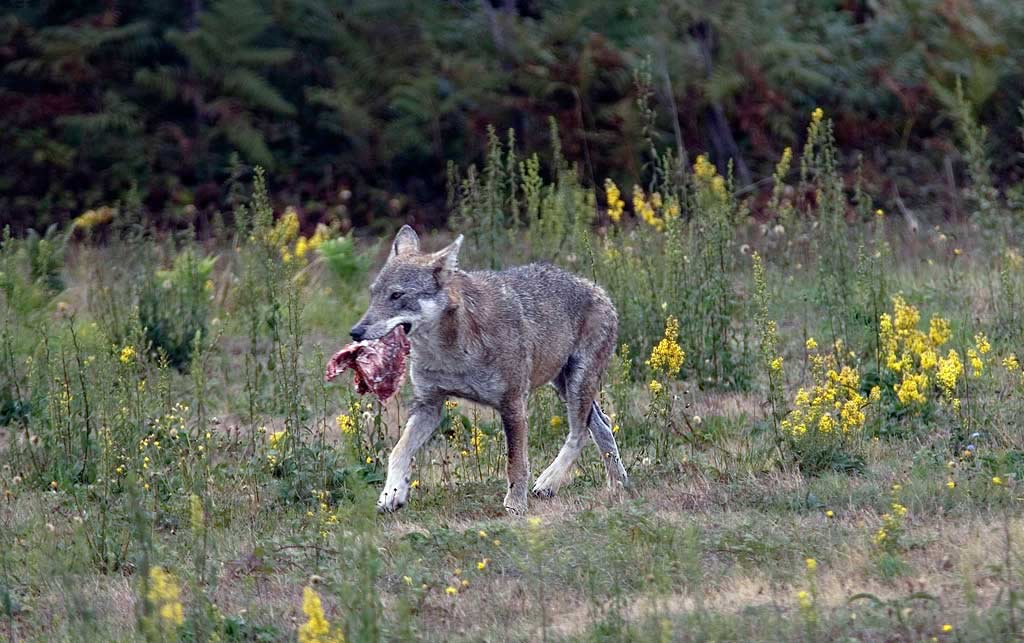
[379, 364]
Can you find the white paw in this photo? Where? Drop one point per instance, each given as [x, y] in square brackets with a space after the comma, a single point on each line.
[393, 498]
[548, 483]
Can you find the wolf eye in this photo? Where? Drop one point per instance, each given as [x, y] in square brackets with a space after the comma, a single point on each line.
[396, 295]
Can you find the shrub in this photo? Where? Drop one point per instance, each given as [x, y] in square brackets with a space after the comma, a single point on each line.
[174, 306]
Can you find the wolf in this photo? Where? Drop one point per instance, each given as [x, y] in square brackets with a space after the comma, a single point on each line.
[492, 337]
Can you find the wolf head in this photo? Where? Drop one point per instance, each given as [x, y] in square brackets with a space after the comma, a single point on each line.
[410, 289]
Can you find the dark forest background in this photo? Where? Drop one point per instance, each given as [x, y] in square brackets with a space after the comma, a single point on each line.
[356, 108]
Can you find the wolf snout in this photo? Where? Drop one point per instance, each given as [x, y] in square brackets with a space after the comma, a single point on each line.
[358, 332]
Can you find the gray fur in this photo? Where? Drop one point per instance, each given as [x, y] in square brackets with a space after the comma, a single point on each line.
[492, 337]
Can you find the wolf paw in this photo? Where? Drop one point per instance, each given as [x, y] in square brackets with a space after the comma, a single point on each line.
[543, 492]
[393, 498]
[548, 483]
[516, 504]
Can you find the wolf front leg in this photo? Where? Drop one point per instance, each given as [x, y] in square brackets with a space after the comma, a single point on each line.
[423, 419]
[513, 417]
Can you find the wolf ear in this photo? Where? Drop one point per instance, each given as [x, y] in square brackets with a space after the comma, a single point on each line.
[446, 260]
[406, 241]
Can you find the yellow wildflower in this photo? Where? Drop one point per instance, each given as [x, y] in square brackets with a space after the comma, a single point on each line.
[92, 218]
[776, 364]
[615, 202]
[949, 371]
[811, 344]
[977, 366]
[939, 331]
[451, 591]
[645, 210]
[703, 169]
[655, 387]
[826, 423]
[982, 343]
[817, 115]
[316, 629]
[911, 390]
[996, 480]
[804, 598]
[556, 421]
[1011, 364]
[346, 424]
[811, 564]
[276, 438]
[668, 356]
[482, 565]
[127, 354]
[165, 597]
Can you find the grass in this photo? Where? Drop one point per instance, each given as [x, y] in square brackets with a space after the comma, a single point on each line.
[174, 468]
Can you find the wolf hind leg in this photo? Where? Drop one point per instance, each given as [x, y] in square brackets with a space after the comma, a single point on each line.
[558, 472]
[581, 392]
[577, 385]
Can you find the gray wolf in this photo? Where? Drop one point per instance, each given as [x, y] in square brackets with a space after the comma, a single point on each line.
[492, 337]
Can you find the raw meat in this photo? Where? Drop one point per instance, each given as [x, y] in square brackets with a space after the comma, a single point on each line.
[379, 364]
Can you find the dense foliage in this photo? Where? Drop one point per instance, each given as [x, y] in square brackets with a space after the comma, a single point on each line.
[355, 107]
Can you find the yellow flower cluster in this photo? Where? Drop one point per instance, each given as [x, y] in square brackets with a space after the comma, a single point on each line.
[303, 245]
[892, 523]
[1011, 364]
[284, 232]
[803, 597]
[316, 629]
[1013, 367]
[277, 438]
[127, 355]
[92, 218]
[165, 598]
[614, 198]
[325, 517]
[913, 356]
[477, 438]
[346, 424]
[647, 209]
[888, 535]
[667, 356]
[832, 404]
[981, 347]
[708, 176]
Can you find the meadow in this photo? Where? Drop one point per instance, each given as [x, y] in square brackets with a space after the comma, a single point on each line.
[819, 413]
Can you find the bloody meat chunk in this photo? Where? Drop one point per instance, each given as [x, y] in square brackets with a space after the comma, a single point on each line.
[379, 364]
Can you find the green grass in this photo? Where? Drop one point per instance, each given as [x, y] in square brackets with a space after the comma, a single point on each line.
[226, 461]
